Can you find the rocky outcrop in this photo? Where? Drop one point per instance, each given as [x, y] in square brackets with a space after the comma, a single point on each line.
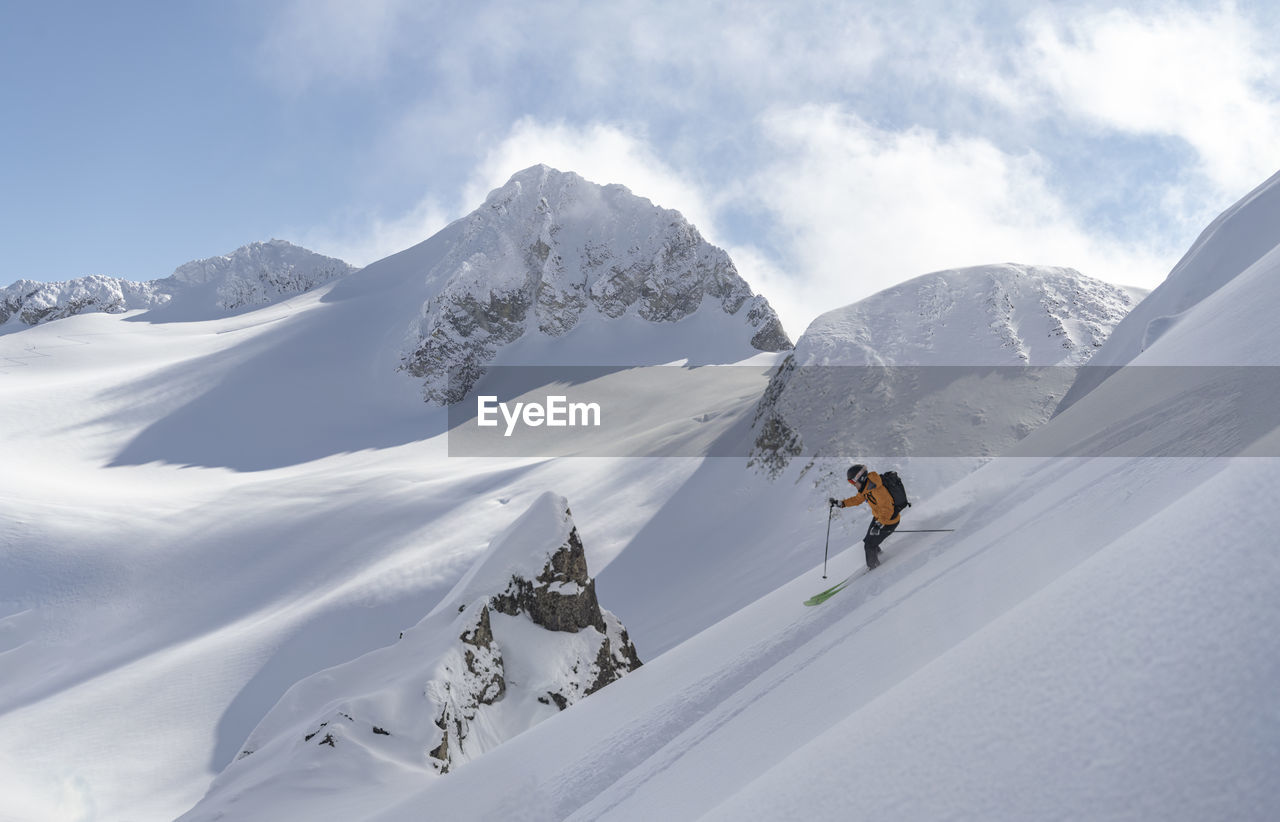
[549, 249]
[560, 598]
[467, 683]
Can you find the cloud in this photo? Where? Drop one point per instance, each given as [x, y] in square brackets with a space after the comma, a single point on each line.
[859, 208]
[834, 149]
[364, 238]
[1206, 77]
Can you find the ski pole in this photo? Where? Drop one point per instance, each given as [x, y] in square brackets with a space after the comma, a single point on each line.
[922, 530]
[830, 509]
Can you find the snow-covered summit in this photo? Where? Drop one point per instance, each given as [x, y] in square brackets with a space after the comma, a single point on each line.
[885, 402]
[550, 252]
[251, 276]
[520, 638]
[256, 274]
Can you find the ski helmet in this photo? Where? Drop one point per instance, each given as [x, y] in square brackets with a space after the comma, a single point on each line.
[858, 475]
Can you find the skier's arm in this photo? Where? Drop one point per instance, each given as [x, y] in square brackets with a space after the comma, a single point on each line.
[856, 499]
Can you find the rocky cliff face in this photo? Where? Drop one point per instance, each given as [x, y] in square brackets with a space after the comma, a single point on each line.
[549, 251]
[254, 275]
[936, 366]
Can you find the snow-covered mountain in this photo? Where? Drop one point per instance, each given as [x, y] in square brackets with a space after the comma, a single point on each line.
[549, 253]
[936, 366]
[253, 275]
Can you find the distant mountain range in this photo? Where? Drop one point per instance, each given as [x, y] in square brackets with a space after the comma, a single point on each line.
[249, 277]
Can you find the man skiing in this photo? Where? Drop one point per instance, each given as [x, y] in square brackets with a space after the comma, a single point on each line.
[885, 514]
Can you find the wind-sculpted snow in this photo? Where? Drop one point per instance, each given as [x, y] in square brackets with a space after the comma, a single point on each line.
[520, 638]
[251, 276]
[954, 363]
[549, 250]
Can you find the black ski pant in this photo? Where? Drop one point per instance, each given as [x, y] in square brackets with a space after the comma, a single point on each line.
[876, 534]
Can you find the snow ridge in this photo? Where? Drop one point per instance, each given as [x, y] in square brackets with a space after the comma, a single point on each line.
[32, 303]
[549, 249]
[251, 276]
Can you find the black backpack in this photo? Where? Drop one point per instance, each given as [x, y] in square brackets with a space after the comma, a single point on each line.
[893, 484]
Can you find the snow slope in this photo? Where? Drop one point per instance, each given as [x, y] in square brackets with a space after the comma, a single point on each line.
[1236, 240]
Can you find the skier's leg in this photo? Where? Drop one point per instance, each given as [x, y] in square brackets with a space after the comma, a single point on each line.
[871, 544]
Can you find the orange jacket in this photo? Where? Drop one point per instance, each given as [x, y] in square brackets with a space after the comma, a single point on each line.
[876, 494]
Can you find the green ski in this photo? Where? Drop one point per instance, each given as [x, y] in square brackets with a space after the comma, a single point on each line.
[817, 599]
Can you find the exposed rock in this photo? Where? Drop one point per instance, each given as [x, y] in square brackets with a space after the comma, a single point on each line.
[462, 688]
[562, 597]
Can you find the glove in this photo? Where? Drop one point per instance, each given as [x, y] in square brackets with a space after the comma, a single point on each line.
[835, 503]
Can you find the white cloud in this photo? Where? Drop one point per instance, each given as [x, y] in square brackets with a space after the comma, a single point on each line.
[860, 208]
[724, 110]
[362, 239]
[1205, 77]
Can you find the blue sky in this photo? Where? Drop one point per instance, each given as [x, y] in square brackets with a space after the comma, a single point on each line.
[833, 148]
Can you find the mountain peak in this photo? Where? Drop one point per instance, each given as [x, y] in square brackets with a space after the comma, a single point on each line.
[550, 253]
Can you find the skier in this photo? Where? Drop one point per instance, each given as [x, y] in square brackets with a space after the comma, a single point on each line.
[885, 514]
